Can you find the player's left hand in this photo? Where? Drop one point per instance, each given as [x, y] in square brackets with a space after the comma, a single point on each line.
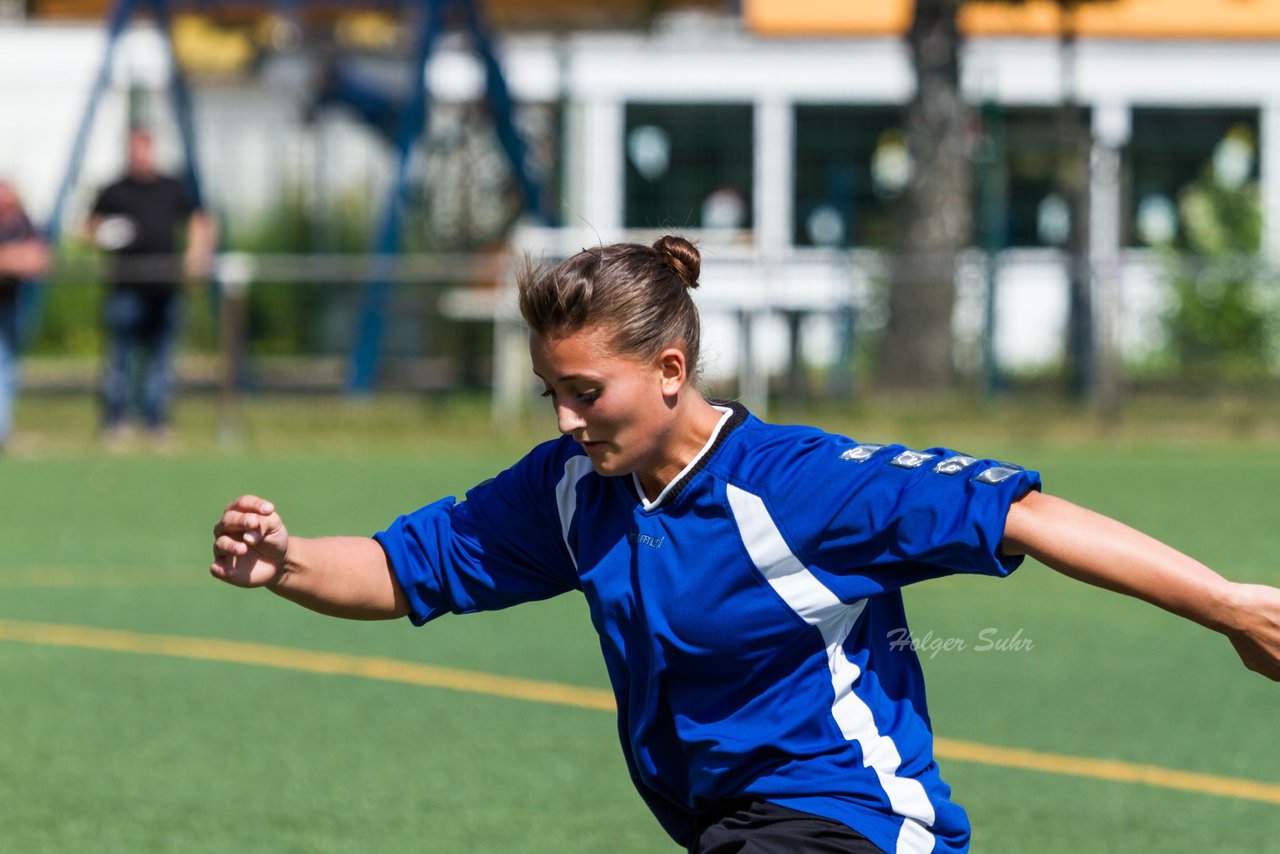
[1257, 635]
[250, 543]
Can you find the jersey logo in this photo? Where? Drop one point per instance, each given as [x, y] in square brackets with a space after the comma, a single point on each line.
[646, 540]
[996, 474]
[954, 465]
[911, 459]
[860, 453]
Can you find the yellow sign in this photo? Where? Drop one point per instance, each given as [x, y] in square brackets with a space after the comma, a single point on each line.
[204, 47]
[1121, 19]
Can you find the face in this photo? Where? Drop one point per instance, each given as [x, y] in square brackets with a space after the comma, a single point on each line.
[141, 160]
[618, 407]
[8, 198]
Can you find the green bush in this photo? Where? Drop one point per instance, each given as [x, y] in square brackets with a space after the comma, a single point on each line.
[69, 308]
[1218, 325]
[286, 318]
[1218, 328]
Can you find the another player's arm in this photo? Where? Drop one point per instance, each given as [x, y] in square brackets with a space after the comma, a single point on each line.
[1101, 551]
[89, 228]
[26, 259]
[202, 240]
[339, 576]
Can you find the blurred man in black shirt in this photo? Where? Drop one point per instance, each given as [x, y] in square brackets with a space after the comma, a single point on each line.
[137, 220]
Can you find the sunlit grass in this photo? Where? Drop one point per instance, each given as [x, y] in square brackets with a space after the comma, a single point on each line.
[125, 753]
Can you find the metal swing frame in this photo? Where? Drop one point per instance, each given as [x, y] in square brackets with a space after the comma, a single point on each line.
[410, 127]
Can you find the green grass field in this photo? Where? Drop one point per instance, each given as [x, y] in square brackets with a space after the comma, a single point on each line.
[110, 751]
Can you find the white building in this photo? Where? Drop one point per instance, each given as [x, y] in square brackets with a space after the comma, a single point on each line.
[773, 142]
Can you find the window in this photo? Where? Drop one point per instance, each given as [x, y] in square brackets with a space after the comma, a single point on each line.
[851, 164]
[688, 166]
[1037, 143]
[1168, 151]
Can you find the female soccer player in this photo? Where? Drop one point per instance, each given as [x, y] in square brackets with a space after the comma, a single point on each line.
[744, 578]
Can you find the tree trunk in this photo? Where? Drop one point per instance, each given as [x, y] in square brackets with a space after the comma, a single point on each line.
[916, 354]
[1073, 180]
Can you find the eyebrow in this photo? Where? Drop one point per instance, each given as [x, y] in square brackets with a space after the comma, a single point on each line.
[569, 378]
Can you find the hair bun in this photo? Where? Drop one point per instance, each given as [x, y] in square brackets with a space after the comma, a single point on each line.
[682, 256]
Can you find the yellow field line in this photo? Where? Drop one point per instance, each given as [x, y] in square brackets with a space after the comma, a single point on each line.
[392, 670]
[1107, 769]
[67, 577]
[332, 663]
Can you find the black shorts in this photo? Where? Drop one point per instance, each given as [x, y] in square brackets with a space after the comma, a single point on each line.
[759, 827]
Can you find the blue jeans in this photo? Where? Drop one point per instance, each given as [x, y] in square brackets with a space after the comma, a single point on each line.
[142, 331]
[8, 365]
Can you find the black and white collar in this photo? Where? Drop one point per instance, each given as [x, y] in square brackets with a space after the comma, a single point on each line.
[734, 414]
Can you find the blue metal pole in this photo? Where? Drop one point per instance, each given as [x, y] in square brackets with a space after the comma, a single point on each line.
[503, 110]
[181, 104]
[992, 215]
[121, 12]
[364, 359]
[184, 114]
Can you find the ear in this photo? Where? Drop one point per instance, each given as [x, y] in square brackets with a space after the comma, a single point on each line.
[673, 372]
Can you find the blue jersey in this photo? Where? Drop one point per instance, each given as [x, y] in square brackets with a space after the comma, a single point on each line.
[750, 617]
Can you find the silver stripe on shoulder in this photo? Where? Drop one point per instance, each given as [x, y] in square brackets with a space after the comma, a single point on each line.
[860, 453]
[911, 459]
[955, 464]
[996, 474]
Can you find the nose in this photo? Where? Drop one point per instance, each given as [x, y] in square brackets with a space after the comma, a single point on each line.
[569, 419]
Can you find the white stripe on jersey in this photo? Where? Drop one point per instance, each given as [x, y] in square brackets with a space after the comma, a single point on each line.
[913, 837]
[821, 608]
[567, 497]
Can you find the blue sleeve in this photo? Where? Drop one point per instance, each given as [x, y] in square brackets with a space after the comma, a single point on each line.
[499, 547]
[893, 516]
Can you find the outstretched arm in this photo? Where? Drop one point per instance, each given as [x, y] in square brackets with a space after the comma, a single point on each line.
[26, 259]
[339, 576]
[202, 241]
[1101, 551]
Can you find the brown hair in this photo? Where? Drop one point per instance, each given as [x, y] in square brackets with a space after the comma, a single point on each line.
[640, 292]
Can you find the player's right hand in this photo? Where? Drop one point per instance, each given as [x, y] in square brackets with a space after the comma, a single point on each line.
[249, 543]
[1256, 632]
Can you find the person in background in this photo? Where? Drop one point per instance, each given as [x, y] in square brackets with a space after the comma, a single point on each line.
[23, 255]
[137, 219]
